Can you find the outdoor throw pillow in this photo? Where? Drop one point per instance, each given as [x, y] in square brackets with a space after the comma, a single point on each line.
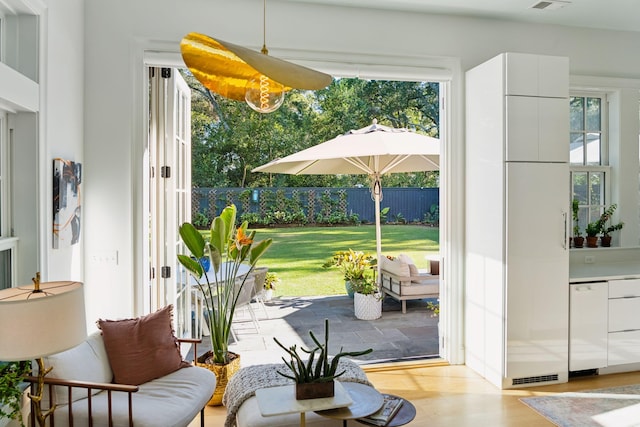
[142, 349]
[413, 270]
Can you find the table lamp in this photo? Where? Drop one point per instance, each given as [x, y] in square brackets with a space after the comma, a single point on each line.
[39, 320]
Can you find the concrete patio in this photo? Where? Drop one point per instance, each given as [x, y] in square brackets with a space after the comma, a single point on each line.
[393, 337]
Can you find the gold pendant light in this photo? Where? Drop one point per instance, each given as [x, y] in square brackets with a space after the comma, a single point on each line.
[236, 72]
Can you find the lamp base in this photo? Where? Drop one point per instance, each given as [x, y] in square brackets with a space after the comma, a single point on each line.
[36, 399]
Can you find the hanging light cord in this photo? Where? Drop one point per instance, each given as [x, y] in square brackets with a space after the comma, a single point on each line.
[264, 28]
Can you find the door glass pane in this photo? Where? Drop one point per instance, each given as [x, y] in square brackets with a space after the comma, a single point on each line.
[576, 150]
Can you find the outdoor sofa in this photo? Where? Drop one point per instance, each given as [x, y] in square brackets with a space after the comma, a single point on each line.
[401, 279]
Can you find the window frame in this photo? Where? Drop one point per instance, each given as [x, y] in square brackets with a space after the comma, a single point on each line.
[593, 210]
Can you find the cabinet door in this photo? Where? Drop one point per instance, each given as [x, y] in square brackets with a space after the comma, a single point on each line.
[553, 125]
[588, 326]
[537, 129]
[537, 75]
[537, 269]
[521, 74]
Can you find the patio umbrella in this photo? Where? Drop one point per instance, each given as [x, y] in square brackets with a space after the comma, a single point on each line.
[374, 150]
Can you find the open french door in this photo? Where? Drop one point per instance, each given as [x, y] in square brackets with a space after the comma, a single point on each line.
[169, 194]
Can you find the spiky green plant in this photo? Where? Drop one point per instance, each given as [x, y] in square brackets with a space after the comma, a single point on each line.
[315, 370]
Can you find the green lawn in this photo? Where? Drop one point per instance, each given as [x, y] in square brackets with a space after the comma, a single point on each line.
[297, 253]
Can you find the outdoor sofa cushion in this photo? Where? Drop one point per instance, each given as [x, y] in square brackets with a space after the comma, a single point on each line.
[401, 280]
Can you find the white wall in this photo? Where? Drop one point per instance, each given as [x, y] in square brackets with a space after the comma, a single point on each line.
[61, 124]
[118, 31]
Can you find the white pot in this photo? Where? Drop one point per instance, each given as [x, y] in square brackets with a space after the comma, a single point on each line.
[367, 307]
[268, 294]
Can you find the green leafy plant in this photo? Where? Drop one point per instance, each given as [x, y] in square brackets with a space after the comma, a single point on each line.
[11, 376]
[201, 220]
[271, 280]
[383, 215]
[352, 264]
[605, 217]
[315, 369]
[593, 228]
[575, 208]
[365, 285]
[227, 247]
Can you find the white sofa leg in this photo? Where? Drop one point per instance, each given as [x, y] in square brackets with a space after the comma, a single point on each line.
[404, 306]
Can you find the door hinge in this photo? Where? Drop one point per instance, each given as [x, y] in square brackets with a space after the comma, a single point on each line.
[165, 171]
[165, 272]
[152, 273]
[165, 73]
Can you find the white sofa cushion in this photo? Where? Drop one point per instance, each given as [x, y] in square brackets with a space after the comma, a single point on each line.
[173, 400]
[396, 266]
[85, 362]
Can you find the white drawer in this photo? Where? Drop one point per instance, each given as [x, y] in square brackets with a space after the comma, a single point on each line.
[624, 288]
[624, 347]
[623, 314]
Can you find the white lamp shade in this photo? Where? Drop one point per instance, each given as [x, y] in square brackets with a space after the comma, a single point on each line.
[37, 324]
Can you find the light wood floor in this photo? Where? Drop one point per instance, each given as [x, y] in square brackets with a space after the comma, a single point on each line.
[455, 396]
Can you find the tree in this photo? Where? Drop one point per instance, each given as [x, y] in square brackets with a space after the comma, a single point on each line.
[229, 138]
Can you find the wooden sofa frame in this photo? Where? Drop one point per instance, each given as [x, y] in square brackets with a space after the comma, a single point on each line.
[89, 386]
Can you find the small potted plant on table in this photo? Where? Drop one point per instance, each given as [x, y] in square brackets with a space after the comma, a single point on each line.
[314, 378]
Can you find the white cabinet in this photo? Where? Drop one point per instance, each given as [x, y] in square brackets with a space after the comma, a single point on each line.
[517, 198]
[536, 75]
[536, 129]
[624, 321]
[588, 333]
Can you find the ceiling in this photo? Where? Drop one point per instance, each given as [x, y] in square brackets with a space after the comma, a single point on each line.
[621, 15]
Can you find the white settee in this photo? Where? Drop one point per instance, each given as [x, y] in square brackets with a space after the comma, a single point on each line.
[172, 400]
[401, 280]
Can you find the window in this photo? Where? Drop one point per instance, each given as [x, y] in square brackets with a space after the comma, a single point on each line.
[588, 155]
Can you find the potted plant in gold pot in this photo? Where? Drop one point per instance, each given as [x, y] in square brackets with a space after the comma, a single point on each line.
[227, 247]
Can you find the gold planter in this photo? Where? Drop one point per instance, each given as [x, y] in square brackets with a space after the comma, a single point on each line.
[222, 372]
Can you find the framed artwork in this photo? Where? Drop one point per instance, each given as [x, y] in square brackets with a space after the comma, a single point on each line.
[67, 176]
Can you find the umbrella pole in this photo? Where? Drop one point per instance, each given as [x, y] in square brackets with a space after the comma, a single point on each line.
[376, 198]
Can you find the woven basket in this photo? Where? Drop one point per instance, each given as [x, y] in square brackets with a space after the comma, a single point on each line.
[222, 372]
[367, 307]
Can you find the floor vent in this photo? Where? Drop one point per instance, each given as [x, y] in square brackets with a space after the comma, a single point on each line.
[533, 380]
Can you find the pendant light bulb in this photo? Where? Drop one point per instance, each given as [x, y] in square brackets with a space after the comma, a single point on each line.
[263, 94]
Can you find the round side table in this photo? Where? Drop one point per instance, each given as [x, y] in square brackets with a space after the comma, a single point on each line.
[366, 401]
[405, 414]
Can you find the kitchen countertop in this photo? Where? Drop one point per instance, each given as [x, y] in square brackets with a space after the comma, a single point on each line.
[603, 271]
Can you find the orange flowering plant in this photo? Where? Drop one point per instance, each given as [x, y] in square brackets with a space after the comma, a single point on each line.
[234, 253]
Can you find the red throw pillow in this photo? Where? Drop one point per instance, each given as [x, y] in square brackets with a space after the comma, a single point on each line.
[141, 349]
